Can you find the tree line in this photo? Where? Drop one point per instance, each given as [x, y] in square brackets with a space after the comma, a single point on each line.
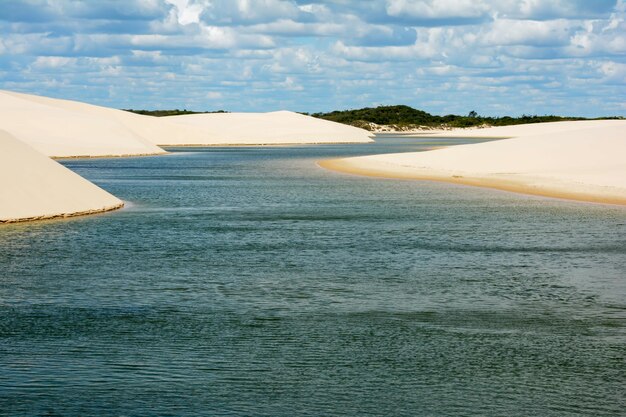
[403, 116]
[400, 116]
[174, 112]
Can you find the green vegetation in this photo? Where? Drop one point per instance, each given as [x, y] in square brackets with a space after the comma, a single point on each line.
[175, 112]
[398, 117]
[407, 117]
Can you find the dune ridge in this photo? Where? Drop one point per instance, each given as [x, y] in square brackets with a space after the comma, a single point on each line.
[273, 128]
[525, 130]
[64, 128]
[34, 187]
[582, 160]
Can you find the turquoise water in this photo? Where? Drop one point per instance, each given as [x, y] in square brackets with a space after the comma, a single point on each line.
[248, 281]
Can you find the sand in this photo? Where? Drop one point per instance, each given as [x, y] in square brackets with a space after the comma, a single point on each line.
[530, 129]
[274, 128]
[65, 128]
[583, 160]
[62, 128]
[33, 186]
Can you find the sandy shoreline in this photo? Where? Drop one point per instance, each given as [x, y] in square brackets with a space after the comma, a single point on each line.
[38, 130]
[582, 161]
[519, 186]
[63, 158]
[253, 145]
[61, 216]
[35, 187]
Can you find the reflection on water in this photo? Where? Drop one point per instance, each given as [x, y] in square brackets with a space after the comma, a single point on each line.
[249, 281]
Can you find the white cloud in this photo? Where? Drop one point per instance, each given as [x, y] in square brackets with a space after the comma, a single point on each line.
[336, 53]
[291, 28]
[613, 71]
[552, 9]
[528, 32]
[291, 84]
[186, 12]
[248, 11]
[436, 9]
[53, 61]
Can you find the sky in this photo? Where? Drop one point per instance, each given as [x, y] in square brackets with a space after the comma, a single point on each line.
[495, 57]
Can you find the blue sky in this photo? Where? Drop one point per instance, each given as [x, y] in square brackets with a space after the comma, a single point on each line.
[496, 57]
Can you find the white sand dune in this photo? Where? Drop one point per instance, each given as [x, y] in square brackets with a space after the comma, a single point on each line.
[582, 160]
[33, 186]
[274, 128]
[62, 128]
[525, 130]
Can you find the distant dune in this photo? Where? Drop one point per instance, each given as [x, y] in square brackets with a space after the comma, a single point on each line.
[531, 129]
[62, 128]
[33, 186]
[581, 160]
[275, 128]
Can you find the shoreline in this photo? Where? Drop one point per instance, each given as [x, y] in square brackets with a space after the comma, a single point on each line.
[62, 215]
[519, 185]
[61, 158]
[257, 145]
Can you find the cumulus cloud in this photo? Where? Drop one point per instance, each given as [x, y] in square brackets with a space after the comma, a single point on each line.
[53, 61]
[437, 9]
[184, 12]
[529, 32]
[441, 55]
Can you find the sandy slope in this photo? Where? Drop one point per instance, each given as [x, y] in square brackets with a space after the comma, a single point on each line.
[63, 128]
[33, 186]
[530, 129]
[576, 160]
[275, 128]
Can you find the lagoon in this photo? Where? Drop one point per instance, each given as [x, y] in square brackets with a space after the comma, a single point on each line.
[248, 281]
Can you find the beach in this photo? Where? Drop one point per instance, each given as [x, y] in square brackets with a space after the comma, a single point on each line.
[581, 161]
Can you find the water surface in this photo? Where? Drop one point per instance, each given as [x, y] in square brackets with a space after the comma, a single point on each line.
[248, 281]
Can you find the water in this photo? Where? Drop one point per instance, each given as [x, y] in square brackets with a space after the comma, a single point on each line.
[247, 281]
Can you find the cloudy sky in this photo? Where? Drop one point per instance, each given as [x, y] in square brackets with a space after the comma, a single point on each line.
[496, 57]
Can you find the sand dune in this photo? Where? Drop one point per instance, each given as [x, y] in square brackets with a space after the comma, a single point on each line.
[33, 186]
[149, 130]
[275, 128]
[530, 129]
[62, 128]
[576, 160]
